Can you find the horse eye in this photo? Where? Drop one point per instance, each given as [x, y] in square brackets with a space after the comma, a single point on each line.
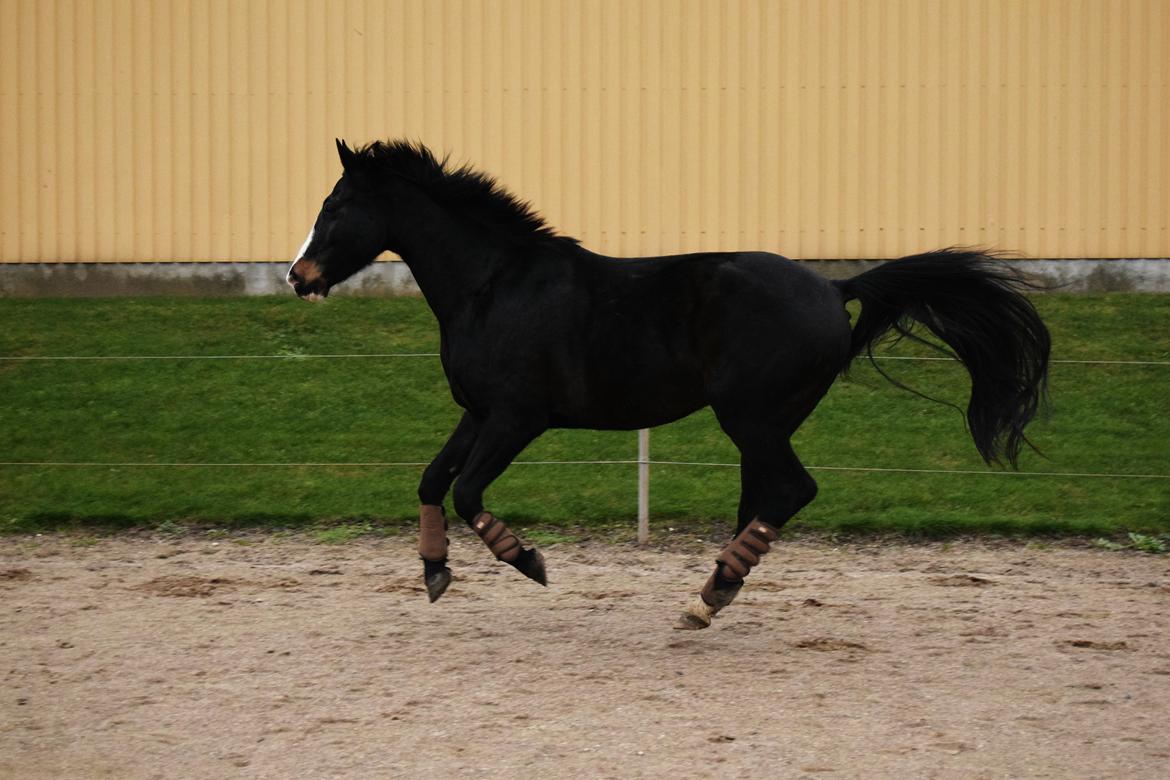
[328, 207]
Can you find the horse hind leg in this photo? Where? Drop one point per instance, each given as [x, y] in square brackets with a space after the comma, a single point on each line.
[733, 563]
[775, 486]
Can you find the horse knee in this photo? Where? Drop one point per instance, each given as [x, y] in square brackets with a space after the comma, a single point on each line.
[806, 489]
[432, 488]
[800, 493]
[468, 501]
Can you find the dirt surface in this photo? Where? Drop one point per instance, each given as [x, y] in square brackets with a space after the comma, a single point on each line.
[283, 658]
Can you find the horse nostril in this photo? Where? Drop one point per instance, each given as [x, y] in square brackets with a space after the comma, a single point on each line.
[293, 279]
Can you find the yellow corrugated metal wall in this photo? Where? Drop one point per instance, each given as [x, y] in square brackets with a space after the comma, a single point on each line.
[133, 130]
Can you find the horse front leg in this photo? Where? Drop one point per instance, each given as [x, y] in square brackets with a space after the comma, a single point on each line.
[432, 518]
[499, 441]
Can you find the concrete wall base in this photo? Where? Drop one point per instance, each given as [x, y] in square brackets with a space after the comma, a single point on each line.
[100, 280]
[91, 280]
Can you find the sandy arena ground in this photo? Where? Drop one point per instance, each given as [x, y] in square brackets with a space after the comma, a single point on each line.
[266, 657]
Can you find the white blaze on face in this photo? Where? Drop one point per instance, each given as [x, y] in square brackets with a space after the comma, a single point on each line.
[303, 249]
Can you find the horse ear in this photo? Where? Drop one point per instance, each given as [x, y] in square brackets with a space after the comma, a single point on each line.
[346, 154]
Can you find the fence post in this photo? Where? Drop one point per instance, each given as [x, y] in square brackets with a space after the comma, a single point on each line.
[643, 485]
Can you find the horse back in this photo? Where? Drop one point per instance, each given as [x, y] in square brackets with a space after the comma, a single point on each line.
[617, 343]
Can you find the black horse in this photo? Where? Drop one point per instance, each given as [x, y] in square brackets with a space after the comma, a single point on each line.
[538, 332]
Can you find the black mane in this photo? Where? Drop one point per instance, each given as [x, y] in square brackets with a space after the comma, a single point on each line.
[464, 190]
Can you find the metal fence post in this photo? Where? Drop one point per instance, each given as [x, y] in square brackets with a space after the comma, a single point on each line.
[643, 485]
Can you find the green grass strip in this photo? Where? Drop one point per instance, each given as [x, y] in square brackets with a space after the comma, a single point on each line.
[347, 420]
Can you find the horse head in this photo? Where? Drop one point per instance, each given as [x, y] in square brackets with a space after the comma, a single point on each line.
[348, 234]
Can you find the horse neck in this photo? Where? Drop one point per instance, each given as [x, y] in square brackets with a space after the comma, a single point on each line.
[436, 248]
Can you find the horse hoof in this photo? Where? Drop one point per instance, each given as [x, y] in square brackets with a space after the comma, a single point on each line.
[697, 615]
[437, 584]
[689, 621]
[531, 565]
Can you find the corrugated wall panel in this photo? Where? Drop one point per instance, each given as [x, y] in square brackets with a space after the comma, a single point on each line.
[133, 130]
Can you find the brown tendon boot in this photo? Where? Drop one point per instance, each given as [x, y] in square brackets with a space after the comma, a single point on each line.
[732, 565]
[506, 546]
[432, 548]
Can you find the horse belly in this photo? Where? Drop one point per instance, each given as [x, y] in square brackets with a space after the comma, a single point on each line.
[636, 397]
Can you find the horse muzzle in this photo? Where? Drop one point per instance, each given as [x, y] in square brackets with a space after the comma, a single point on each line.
[307, 281]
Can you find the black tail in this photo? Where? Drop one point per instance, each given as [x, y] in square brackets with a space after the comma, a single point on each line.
[973, 303]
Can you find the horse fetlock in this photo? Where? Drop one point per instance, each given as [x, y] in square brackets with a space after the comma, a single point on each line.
[432, 533]
[504, 544]
[718, 592]
[745, 550]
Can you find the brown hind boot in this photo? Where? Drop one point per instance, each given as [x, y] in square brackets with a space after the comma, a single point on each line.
[732, 564]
